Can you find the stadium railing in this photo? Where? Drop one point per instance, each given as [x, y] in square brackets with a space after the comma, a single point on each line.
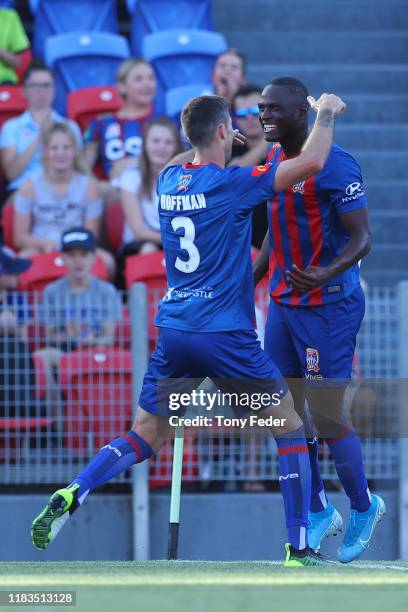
[58, 407]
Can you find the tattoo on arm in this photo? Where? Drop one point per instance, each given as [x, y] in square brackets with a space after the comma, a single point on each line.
[325, 118]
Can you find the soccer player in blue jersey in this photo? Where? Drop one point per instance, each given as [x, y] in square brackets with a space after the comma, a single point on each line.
[318, 232]
[206, 317]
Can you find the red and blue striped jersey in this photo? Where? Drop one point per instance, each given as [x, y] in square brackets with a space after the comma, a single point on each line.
[305, 227]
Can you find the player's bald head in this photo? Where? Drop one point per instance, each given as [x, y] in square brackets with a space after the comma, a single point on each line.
[201, 116]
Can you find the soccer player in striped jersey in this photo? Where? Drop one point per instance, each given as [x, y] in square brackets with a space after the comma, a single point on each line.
[206, 317]
[318, 232]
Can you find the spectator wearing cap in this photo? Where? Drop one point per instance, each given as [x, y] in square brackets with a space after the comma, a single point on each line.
[21, 137]
[61, 196]
[13, 41]
[79, 310]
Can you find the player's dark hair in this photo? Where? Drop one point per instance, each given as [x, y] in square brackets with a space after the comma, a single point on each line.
[35, 66]
[293, 85]
[201, 116]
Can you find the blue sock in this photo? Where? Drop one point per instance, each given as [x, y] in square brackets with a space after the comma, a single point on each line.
[112, 459]
[348, 460]
[318, 500]
[295, 483]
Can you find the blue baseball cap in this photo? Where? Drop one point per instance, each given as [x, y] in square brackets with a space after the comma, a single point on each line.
[78, 238]
[10, 263]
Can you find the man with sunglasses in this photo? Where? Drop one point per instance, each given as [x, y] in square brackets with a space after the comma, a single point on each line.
[245, 114]
[318, 232]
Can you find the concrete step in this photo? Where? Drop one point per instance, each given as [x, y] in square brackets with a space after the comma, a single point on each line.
[386, 198]
[388, 229]
[275, 16]
[352, 78]
[322, 47]
[376, 108]
[385, 264]
[387, 165]
[372, 136]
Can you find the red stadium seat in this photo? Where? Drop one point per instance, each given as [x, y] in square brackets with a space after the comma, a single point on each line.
[48, 267]
[115, 220]
[7, 221]
[16, 434]
[85, 104]
[12, 102]
[149, 269]
[25, 60]
[97, 385]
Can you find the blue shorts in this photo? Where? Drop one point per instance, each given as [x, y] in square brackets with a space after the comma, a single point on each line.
[315, 343]
[233, 359]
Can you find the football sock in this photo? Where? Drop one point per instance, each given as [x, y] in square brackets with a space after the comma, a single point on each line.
[348, 460]
[318, 500]
[111, 460]
[295, 483]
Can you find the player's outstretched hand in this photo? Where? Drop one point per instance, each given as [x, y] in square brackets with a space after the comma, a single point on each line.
[329, 102]
[239, 139]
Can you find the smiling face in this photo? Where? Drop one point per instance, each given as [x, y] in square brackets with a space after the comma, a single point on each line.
[59, 152]
[281, 113]
[160, 145]
[139, 86]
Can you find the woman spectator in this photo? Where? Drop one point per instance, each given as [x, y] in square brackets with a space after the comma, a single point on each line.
[116, 139]
[62, 196]
[138, 188]
[228, 74]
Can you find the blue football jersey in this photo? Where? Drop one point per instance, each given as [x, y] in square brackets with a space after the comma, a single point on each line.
[205, 218]
[305, 228]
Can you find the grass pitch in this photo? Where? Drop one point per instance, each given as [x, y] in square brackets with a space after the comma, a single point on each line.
[193, 586]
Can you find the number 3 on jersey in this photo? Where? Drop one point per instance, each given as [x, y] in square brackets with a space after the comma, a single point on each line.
[186, 243]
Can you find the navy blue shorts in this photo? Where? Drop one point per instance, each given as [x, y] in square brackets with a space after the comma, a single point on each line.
[315, 343]
[233, 359]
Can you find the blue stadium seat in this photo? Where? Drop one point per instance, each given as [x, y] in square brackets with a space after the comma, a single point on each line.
[149, 16]
[178, 96]
[7, 4]
[183, 57]
[61, 16]
[84, 59]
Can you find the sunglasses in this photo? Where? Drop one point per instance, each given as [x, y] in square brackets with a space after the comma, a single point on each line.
[242, 113]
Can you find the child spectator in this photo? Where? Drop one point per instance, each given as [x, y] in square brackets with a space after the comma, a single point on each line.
[116, 139]
[138, 188]
[21, 137]
[62, 196]
[13, 40]
[79, 310]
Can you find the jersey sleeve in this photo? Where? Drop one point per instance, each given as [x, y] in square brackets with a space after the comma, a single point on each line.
[251, 185]
[342, 181]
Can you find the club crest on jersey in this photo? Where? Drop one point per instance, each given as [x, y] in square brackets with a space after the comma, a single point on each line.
[299, 187]
[312, 360]
[259, 170]
[184, 182]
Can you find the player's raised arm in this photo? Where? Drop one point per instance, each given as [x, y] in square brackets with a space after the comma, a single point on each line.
[317, 147]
